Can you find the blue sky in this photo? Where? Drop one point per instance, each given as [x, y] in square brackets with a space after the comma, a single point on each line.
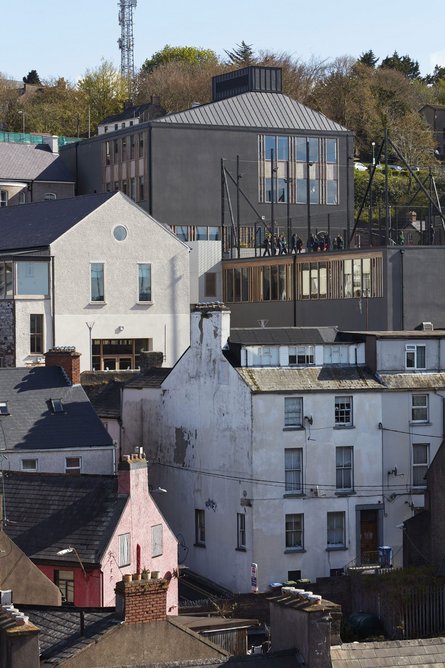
[60, 38]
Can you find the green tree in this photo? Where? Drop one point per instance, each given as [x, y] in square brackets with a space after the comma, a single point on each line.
[56, 109]
[32, 78]
[242, 55]
[184, 54]
[368, 58]
[403, 64]
[102, 93]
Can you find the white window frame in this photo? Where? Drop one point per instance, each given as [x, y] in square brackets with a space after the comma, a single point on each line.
[71, 469]
[293, 470]
[421, 466]
[157, 540]
[301, 355]
[149, 300]
[343, 414]
[241, 531]
[4, 410]
[416, 409]
[336, 527]
[124, 545]
[97, 301]
[294, 531]
[25, 466]
[412, 354]
[49, 196]
[344, 468]
[293, 412]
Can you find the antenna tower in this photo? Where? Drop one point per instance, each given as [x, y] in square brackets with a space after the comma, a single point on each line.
[126, 41]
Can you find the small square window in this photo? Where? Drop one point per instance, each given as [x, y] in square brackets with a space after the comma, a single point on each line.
[72, 465]
[343, 411]
[29, 464]
[415, 357]
[4, 410]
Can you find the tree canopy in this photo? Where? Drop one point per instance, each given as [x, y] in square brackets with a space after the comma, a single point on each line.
[404, 64]
[242, 55]
[184, 54]
[32, 78]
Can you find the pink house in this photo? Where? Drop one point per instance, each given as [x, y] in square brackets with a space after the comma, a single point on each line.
[87, 532]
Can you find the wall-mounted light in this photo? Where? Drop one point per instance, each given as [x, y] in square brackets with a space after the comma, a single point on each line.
[120, 328]
[69, 550]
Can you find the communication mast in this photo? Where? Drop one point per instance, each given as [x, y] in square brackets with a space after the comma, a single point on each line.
[126, 41]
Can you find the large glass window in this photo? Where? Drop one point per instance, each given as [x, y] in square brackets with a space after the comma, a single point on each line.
[36, 333]
[32, 278]
[344, 468]
[336, 530]
[97, 282]
[294, 531]
[293, 411]
[293, 470]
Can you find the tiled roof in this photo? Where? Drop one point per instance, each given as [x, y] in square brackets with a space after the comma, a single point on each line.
[32, 162]
[266, 111]
[422, 653]
[46, 513]
[38, 224]
[283, 335]
[151, 378]
[31, 423]
[413, 381]
[305, 379]
[60, 636]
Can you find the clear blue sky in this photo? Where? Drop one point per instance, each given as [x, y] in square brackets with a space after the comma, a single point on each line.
[64, 38]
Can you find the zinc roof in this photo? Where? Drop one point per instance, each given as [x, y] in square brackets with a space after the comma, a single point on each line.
[285, 379]
[268, 111]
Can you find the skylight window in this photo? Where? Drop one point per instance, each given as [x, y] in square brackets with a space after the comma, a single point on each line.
[57, 406]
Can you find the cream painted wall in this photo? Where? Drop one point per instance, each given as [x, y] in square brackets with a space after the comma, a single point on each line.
[24, 307]
[165, 319]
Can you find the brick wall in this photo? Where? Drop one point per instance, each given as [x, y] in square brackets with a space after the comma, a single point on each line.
[68, 359]
[142, 601]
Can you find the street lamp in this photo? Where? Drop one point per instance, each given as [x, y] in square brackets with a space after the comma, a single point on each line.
[23, 115]
[69, 550]
[373, 153]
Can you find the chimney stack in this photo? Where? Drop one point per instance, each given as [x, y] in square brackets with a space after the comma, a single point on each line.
[141, 601]
[68, 358]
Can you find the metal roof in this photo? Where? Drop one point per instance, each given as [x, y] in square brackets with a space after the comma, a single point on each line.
[266, 111]
[32, 162]
[309, 379]
[283, 335]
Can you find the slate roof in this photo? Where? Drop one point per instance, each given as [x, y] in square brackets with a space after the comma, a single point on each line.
[422, 653]
[413, 381]
[269, 111]
[103, 389]
[45, 513]
[38, 224]
[306, 379]
[31, 423]
[32, 162]
[283, 335]
[60, 637]
[150, 378]
[131, 112]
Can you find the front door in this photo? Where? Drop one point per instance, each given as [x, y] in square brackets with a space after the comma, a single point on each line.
[369, 536]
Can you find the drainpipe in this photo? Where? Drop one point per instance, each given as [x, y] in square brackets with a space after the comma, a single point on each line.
[53, 301]
[402, 306]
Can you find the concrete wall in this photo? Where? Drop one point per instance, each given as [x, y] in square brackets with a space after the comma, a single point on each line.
[165, 319]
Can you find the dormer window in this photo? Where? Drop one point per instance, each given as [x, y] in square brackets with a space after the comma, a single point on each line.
[301, 355]
[415, 356]
[4, 410]
[57, 406]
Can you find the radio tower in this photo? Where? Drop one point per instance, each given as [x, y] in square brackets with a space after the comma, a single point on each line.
[126, 41]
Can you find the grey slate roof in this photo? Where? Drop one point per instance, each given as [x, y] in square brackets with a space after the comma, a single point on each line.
[60, 637]
[32, 425]
[32, 162]
[150, 378]
[283, 335]
[422, 653]
[268, 111]
[38, 224]
[45, 513]
[305, 379]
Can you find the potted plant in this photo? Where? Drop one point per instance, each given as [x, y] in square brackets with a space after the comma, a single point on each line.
[145, 574]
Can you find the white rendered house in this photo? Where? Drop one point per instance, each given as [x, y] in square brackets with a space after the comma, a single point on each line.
[93, 272]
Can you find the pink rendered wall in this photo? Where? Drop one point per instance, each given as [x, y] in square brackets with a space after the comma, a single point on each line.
[87, 589]
[139, 515]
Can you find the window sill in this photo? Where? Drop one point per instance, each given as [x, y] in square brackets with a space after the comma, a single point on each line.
[343, 426]
[97, 303]
[28, 297]
[199, 544]
[294, 550]
[145, 303]
[426, 423]
[340, 548]
[294, 428]
[346, 492]
[240, 549]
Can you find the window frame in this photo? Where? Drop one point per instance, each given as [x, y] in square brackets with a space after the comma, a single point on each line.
[124, 549]
[293, 471]
[416, 466]
[417, 408]
[94, 267]
[4, 409]
[413, 350]
[32, 469]
[71, 468]
[332, 528]
[65, 584]
[4, 198]
[36, 334]
[342, 469]
[157, 540]
[342, 411]
[293, 418]
[294, 532]
[149, 292]
[200, 527]
[241, 531]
